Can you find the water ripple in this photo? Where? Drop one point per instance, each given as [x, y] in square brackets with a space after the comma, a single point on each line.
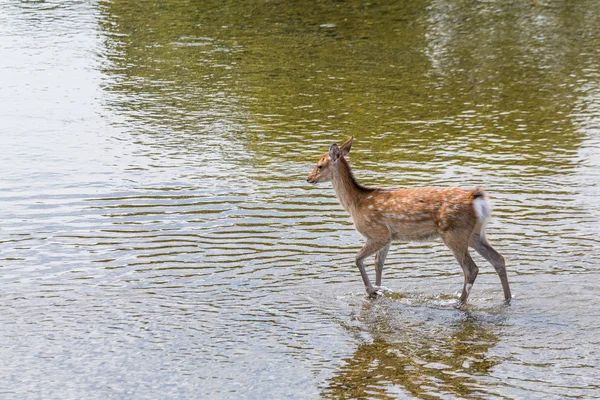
[157, 234]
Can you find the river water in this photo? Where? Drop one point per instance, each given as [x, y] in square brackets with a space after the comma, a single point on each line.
[158, 238]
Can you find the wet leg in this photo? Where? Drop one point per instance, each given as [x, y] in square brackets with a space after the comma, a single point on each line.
[370, 248]
[481, 245]
[379, 261]
[460, 249]
[470, 271]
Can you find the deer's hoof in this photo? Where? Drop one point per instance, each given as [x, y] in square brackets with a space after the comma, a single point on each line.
[374, 292]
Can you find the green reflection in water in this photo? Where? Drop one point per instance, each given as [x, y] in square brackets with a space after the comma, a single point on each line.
[168, 75]
[419, 81]
[433, 82]
[419, 358]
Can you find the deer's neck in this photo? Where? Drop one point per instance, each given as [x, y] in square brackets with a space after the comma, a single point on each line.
[347, 189]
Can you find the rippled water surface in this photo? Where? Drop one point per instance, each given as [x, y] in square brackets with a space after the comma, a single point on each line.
[158, 238]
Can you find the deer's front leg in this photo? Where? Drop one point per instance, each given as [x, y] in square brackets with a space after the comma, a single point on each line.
[370, 248]
[379, 261]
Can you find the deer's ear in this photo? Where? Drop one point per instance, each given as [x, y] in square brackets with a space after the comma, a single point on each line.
[334, 152]
[345, 148]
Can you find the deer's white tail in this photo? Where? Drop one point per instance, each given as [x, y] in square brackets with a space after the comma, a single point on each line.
[483, 210]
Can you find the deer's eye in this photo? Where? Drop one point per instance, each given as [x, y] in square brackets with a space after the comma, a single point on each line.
[319, 167]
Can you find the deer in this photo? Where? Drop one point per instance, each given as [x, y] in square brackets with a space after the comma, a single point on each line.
[384, 215]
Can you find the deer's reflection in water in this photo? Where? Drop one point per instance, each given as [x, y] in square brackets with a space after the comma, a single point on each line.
[416, 352]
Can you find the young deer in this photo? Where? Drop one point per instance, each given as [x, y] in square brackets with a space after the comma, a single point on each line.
[382, 216]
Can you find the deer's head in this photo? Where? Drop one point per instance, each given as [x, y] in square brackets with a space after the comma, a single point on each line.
[329, 162]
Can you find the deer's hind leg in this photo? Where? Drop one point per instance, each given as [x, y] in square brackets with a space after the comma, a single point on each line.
[482, 246]
[458, 242]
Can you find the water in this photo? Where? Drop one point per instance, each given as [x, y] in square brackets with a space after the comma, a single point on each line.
[158, 238]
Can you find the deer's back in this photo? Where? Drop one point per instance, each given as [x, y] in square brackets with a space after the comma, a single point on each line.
[415, 213]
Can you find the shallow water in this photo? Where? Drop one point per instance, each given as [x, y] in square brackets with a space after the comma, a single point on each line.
[158, 238]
